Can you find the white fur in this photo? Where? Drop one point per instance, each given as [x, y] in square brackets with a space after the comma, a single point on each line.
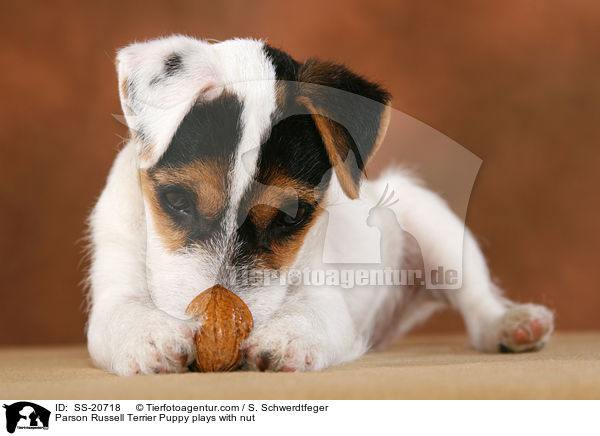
[139, 290]
[156, 109]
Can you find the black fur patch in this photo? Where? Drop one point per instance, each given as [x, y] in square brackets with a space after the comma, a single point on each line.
[209, 130]
[173, 63]
[361, 116]
[294, 142]
[295, 147]
[286, 68]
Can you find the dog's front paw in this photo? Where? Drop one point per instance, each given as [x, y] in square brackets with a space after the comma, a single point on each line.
[162, 350]
[271, 349]
[143, 342]
[525, 327]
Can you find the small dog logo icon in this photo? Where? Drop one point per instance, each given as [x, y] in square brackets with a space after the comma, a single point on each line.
[26, 415]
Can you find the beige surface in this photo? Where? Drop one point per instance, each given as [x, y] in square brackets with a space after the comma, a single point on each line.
[416, 367]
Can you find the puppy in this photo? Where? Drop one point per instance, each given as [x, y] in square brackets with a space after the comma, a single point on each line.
[244, 169]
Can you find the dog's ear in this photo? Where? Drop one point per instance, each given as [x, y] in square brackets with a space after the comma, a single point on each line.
[159, 81]
[351, 114]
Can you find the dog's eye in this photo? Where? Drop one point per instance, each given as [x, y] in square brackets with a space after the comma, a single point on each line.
[288, 221]
[179, 201]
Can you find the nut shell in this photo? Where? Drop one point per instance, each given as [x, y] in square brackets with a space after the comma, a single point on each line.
[227, 322]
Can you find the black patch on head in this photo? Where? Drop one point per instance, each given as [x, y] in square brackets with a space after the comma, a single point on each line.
[286, 68]
[361, 117]
[173, 63]
[294, 143]
[209, 130]
[295, 147]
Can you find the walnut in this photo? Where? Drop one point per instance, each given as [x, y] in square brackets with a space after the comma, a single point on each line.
[227, 322]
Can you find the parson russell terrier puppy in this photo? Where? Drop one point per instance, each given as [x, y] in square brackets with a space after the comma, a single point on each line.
[236, 153]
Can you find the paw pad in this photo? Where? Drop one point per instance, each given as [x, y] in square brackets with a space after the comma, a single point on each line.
[525, 327]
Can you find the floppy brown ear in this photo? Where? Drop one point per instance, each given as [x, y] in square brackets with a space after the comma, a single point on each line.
[351, 114]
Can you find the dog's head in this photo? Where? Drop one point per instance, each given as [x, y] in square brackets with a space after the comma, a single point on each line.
[238, 145]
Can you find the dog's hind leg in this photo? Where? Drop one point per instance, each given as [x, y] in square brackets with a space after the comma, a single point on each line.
[493, 322]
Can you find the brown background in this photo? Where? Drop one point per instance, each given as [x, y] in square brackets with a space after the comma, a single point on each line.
[515, 82]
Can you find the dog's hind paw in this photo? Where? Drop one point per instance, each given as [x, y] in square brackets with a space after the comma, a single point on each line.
[525, 327]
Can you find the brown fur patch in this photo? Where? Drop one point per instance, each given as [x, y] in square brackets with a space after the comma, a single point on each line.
[172, 237]
[124, 88]
[284, 253]
[320, 72]
[335, 141]
[270, 198]
[205, 179]
[280, 94]
[324, 105]
[267, 201]
[144, 149]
